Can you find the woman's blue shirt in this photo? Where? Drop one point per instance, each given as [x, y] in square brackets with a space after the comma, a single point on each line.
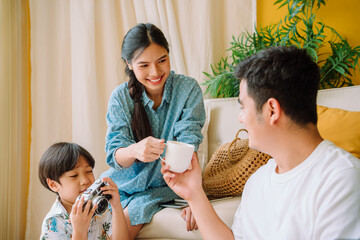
[179, 117]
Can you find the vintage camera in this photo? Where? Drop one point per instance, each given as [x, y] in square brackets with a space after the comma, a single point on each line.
[95, 195]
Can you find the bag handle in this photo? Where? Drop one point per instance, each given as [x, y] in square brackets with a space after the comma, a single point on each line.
[233, 142]
[237, 134]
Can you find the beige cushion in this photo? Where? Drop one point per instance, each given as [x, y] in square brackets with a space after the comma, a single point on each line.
[170, 225]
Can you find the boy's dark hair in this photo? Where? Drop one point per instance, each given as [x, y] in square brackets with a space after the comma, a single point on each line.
[135, 42]
[287, 74]
[60, 158]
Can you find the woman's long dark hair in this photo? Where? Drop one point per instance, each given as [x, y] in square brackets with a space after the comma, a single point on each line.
[135, 42]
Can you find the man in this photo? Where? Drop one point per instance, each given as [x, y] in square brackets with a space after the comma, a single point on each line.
[311, 188]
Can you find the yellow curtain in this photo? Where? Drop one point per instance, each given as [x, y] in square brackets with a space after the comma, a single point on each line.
[15, 117]
[76, 63]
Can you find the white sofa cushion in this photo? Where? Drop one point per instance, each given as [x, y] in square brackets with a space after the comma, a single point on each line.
[222, 116]
[347, 98]
[203, 147]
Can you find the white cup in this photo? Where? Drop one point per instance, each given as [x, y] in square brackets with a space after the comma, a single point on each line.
[178, 156]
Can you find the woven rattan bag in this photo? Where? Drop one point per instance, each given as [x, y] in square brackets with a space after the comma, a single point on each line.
[230, 167]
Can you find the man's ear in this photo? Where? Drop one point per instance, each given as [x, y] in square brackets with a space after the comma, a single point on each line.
[274, 110]
[53, 185]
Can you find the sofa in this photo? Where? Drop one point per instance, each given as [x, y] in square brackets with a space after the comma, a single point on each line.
[222, 125]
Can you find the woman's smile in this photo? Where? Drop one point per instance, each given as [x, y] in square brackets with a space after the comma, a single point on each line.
[155, 81]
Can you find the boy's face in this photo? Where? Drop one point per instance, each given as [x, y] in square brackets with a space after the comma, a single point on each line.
[73, 183]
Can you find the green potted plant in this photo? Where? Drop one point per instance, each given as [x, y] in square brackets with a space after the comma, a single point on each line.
[337, 60]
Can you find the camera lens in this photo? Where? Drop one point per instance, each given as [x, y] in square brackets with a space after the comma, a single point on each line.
[102, 205]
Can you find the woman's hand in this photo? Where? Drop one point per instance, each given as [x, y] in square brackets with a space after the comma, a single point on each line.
[148, 149]
[80, 219]
[188, 217]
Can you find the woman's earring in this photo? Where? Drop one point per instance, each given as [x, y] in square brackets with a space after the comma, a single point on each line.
[128, 65]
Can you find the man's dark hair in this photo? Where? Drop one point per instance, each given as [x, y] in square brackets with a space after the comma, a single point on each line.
[287, 74]
[60, 158]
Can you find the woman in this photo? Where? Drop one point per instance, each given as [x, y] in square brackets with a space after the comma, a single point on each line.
[154, 106]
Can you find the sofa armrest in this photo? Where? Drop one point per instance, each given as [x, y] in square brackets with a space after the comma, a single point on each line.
[220, 127]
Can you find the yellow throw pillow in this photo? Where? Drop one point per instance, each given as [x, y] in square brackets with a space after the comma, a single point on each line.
[340, 127]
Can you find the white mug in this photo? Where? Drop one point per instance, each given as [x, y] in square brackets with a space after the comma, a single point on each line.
[178, 156]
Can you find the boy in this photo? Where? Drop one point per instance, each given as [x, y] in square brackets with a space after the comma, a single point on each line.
[66, 169]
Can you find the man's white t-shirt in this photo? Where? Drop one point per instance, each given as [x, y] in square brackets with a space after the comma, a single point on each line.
[318, 199]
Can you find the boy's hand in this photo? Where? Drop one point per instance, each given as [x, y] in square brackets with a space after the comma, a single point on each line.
[112, 189]
[119, 226]
[80, 219]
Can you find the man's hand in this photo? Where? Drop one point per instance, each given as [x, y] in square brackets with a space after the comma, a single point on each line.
[184, 184]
